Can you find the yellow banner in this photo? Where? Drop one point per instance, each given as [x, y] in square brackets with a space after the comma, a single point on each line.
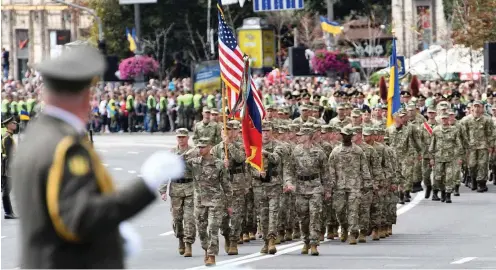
[269, 48]
[250, 43]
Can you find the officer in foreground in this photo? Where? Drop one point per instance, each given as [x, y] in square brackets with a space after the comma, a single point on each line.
[8, 146]
[72, 215]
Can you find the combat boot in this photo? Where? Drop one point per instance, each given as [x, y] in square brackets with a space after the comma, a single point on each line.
[313, 250]
[188, 252]
[282, 239]
[289, 235]
[344, 235]
[382, 233]
[352, 239]
[484, 186]
[361, 237]
[457, 191]
[265, 248]
[434, 195]
[407, 196]
[402, 198]
[240, 241]
[253, 236]
[304, 249]
[417, 186]
[428, 192]
[443, 195]
[474, 183]
[226, 243]
[181, 246]
[375, 235]
[448, 197]
[272, 246]
[233, 248]
[210, 261]
[246, 237]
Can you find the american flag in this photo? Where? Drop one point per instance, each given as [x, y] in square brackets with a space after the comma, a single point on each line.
[232, 66]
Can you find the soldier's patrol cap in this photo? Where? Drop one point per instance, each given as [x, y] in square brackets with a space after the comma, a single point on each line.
[305, 131]
[230, 125]
[379, 131]
[469, 105]
[204, 141]
[367, 131]
[401, 112]
[477, 102]
[444, 115]
[335, 128]
[235, 124]
[181, 132]
[357, 129]
[431, 109]
[304, 107]
[348, 106]
[73, 71]
[411, 107]
[317, 126]
[266, 126]
[356, 113]
[8, 121]
[443, 104]
[347, 130]
[206, 110]
[270, 108]
[214, 111]
[307, 125]
[294, 127]
[315, 108]
[283, 129]
[341, 106]
[325, 128]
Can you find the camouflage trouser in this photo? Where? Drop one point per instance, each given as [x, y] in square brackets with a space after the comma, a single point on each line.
[309, 211]
[266, 200]
[208, 219]
[445, 175]
[285, 212]
[296, 224]
[238, 205]
[377, 210]
[183, 218]
[250, 224]
[426, 173]
[407, 172]
[391, 202]
[365, 205]
[417, 171]
[478, 160]
[347, 207]
[328, 215]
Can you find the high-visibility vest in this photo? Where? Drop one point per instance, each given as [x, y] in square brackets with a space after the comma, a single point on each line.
[163, 104]
[211, 101]
[187, 99]
[130, 103]
[111, 105]
[13, 107]
[151, 103]
[30, 104]
[20, 105]
[197, 101]
[5, 106]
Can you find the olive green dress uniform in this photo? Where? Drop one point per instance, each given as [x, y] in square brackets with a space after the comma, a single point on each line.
[71, 212]
[8, 146]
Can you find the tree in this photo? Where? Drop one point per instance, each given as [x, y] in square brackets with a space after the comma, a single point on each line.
[281, 20]
[309, 32]
[474, 22]
[158, 46]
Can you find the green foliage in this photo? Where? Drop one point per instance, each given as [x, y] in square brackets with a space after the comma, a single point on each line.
[375, 78]
[343, 8]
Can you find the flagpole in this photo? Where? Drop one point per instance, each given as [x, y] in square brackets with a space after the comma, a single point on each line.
[224, 118]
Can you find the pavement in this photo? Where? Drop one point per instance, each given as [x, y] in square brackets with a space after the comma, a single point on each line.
[429, 234]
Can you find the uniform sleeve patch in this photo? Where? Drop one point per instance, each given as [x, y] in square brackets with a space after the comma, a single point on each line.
[79, 165]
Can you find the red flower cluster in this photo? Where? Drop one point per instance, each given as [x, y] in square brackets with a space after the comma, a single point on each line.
[131, 67]
[325, 61]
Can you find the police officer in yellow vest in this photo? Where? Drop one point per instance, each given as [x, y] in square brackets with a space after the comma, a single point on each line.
[151, 104]
[13, 107]
[30, 103]
[164, 118]
[8, 145]
[198, 105]
[189, 112]
[131, 113]
[6, 105]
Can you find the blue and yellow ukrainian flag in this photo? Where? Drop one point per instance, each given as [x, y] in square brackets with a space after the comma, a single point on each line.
[131, 37]
[330, 27]
[24, 115]
[393, 97]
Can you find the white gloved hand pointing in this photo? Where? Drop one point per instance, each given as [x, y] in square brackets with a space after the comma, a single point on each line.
[161, 167]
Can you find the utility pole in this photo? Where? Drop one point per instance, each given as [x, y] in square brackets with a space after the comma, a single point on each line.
[139, 81]
[330, 16]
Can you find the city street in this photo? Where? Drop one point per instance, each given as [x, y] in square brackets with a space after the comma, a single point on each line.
[429, 234]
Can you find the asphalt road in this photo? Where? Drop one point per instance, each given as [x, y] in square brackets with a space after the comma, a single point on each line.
[429, 234]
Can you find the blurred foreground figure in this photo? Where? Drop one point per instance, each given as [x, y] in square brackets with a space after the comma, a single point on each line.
[72, 215]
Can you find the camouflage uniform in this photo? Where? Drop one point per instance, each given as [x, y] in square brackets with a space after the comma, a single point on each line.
[210, 130]
[417, 120]
[285, 225]
[446, 150]
[425, 131]
[212, 195]
[479, 133]
[307, 172]
[300, 119]
[348, 170]
[239, 187]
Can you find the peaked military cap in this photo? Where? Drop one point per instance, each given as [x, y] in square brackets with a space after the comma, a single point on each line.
[74, 70]
[8, 121]
[405, 94]
[204, 141]
[181, 132]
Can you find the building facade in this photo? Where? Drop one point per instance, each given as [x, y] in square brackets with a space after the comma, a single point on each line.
[418, 24]
[33, 30]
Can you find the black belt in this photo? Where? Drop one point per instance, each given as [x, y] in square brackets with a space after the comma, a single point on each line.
[309, 177]
[237, 170]
[184, 180]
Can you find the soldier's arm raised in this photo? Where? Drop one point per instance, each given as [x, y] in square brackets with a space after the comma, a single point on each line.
[80, 198]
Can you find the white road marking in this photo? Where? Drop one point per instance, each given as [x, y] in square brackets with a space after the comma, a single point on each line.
[298, 245]
[464, 260]
[133, 152]
[3, 237]
[167, 233]
[132, 172]
[104, 164]
[118, 169]
[101, 150]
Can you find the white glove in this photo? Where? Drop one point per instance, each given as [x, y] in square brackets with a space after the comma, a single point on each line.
[160, 167]
[132, 240]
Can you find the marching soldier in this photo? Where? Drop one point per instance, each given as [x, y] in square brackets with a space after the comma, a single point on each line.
[426, 132]
[341, 119]
[305, 116]
[8, 145]
[206, 128]
[77, 212]
[182, 201]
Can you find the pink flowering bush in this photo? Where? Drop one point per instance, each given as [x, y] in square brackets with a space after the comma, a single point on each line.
[325, 61]
[131, 67]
